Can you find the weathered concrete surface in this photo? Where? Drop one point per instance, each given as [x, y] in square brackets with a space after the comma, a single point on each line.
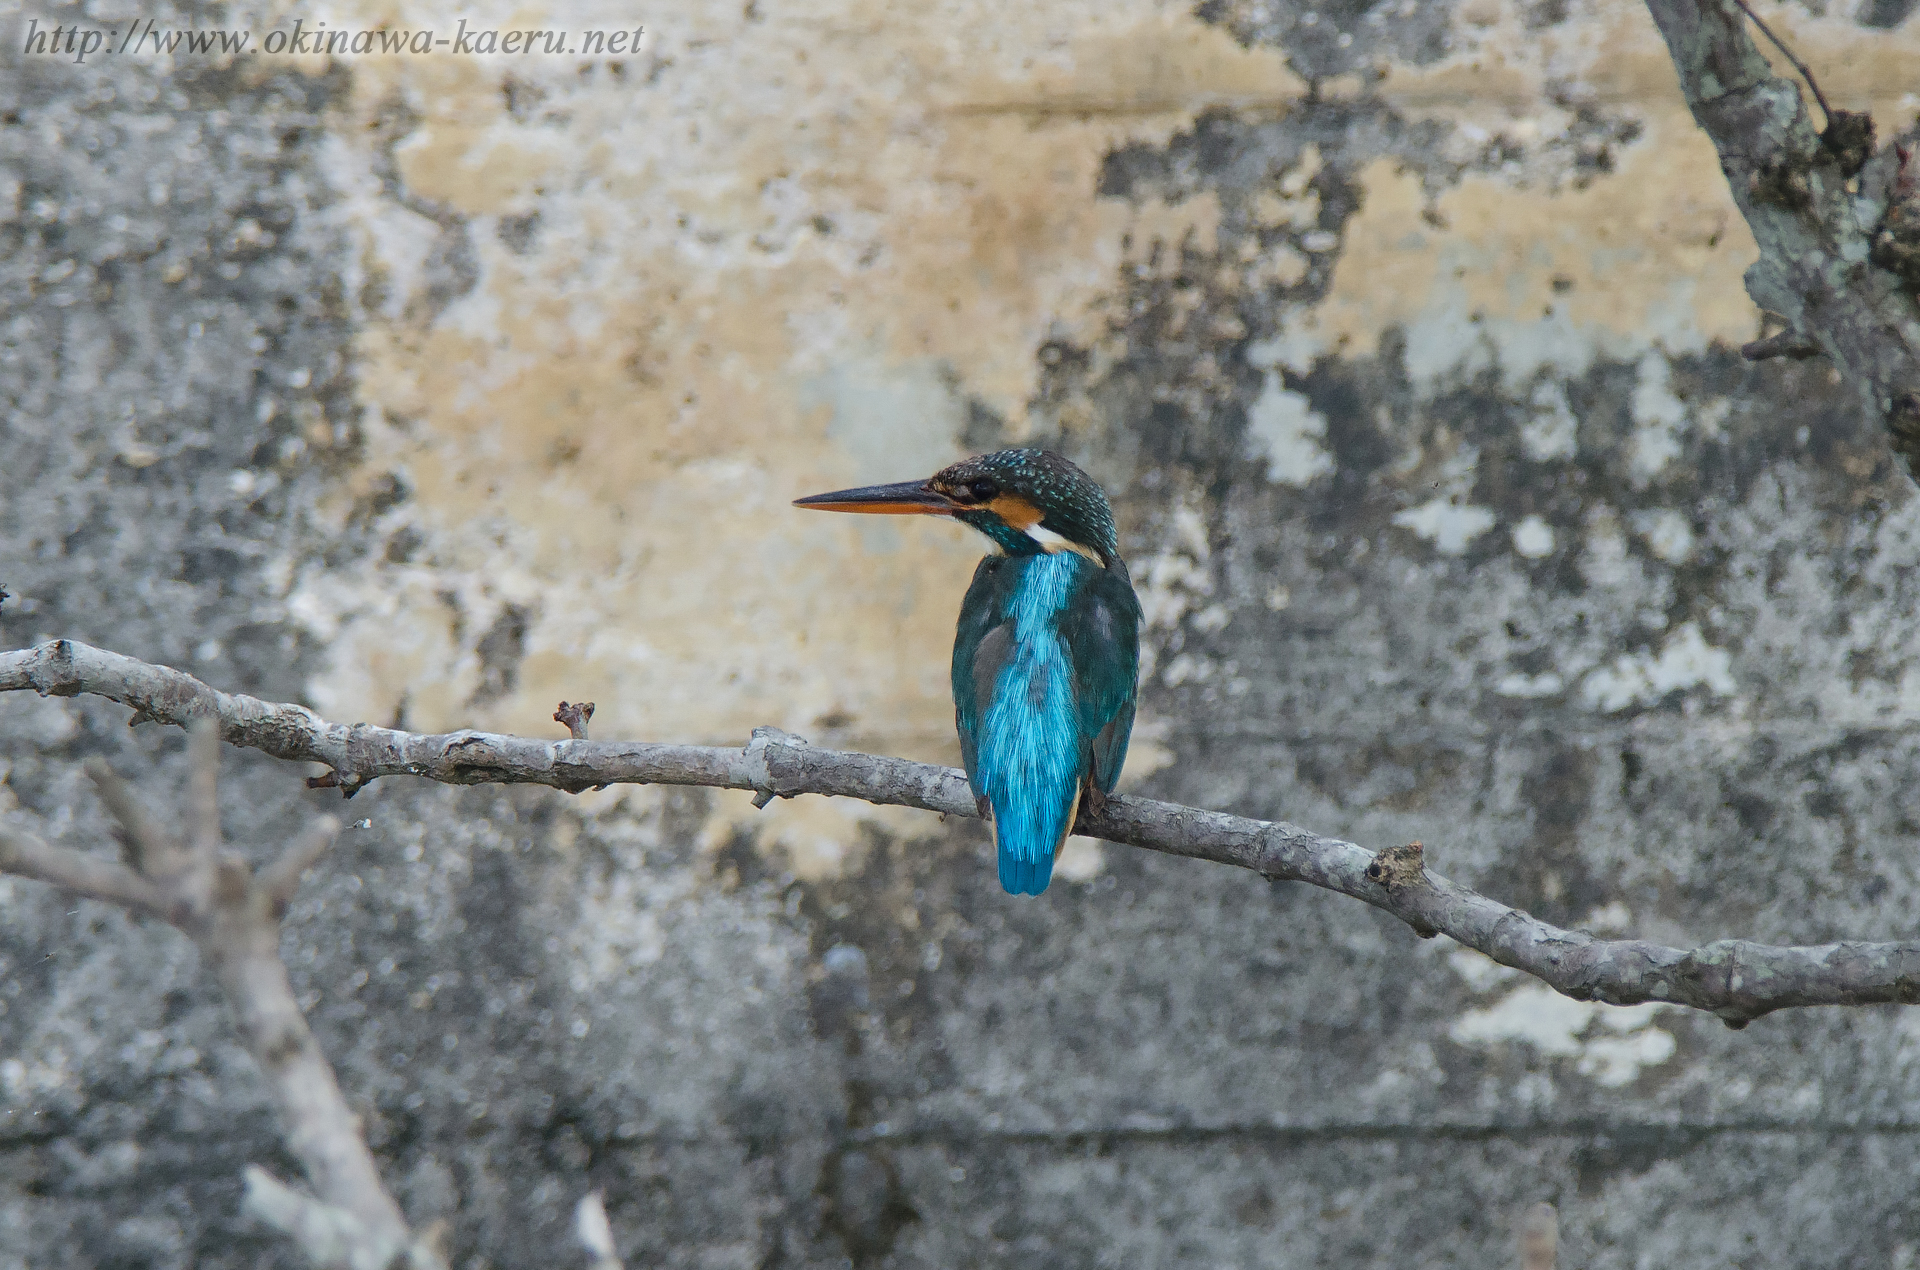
[439, 389]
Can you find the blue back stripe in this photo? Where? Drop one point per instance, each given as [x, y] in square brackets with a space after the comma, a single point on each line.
[1029, 747]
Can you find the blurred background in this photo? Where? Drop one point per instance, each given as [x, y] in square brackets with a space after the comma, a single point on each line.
[431, 390]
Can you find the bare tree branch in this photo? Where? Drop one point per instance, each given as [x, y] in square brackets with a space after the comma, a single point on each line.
[330, 1236]
[1734, 979]
[1834, 261]
[281, 879]
[147, 847]
[233, 918]
[86, 875]
[236, 925]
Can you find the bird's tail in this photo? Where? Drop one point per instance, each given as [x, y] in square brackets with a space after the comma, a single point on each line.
[1027, 840]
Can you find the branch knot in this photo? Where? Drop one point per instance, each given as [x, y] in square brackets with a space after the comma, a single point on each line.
[1781, 182]
[1848, 137]
[1399, 867]
[766, 783]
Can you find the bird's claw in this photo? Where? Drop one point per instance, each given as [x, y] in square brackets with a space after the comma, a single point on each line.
[1095, 801]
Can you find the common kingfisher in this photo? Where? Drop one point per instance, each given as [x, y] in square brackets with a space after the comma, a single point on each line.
[1046, 662]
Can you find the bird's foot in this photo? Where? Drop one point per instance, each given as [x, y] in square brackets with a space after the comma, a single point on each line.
[984, 807]
[1094, 801]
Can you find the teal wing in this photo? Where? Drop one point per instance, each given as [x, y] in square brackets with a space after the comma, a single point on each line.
[1102, 633]
[980, 648]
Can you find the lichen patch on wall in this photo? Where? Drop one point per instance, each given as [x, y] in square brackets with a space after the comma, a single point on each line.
[1610, 1044]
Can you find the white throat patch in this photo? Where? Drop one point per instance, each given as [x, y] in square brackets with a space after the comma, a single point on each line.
[1059, 542]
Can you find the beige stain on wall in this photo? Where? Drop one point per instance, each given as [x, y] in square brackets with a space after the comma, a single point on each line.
[1533, 268]
[1532, 277]
[772, 257]
[779, 255]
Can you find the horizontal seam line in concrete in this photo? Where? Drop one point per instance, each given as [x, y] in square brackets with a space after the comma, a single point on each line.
[1281, 1135]
[1604, 1132]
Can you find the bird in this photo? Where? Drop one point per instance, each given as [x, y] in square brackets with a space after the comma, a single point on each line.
[1046, 656]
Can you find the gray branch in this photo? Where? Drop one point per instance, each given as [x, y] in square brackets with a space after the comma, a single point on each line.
[329, 1235]
[1838, 225]
[233, 917]
[1734, 979]
[23, 854]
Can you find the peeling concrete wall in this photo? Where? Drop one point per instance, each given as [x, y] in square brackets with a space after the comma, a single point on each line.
[436, 389]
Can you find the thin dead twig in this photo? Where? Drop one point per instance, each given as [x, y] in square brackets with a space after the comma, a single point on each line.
[1789, 344]
[1826, 111]
[576, 715]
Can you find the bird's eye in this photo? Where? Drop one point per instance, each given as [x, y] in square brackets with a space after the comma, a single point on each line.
[982, 489]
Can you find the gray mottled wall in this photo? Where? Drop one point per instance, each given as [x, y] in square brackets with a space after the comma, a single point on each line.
[439, 389]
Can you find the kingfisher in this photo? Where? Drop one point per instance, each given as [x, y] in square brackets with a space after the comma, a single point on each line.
[1046, 661]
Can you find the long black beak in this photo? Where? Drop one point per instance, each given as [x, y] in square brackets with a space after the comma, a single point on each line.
[908, 498]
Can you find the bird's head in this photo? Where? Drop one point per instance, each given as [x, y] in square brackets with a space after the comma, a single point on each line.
[1027, 501]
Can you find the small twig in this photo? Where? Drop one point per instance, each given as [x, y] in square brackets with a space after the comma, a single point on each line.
[329, 1235]
[281, 879]
[1798, 65]
[575, 715]
[1780, 344]
[595, 1232]
[148, 847]
[348, 785]
[85, 875]
[1540, 1238]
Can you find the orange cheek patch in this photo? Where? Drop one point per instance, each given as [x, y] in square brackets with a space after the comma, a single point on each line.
[1016, 511]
